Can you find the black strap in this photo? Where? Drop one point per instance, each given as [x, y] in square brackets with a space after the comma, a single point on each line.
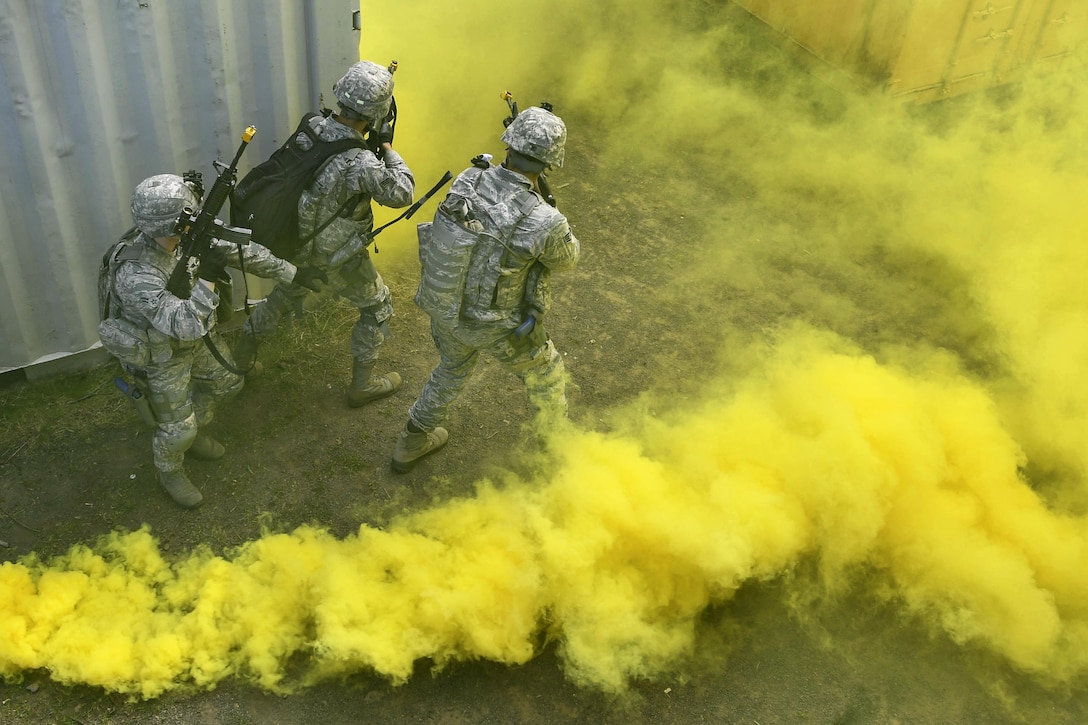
[343, 208]
[407, 214]
[315, 139]
[222, 360]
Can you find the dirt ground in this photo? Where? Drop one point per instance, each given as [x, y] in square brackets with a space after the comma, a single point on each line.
[75, 464]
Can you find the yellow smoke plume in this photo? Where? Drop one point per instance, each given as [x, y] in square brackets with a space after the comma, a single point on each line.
[614, 555]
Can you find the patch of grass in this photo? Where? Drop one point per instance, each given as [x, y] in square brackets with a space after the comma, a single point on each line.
[75, 404]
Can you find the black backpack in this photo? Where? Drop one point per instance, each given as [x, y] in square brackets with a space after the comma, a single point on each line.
[266, 199]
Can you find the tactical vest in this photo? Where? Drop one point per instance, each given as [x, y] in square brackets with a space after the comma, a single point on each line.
[119, 251]
[135, 346]
[462, 256]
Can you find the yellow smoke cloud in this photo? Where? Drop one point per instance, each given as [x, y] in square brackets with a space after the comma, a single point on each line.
[614, 555]
[899, 401]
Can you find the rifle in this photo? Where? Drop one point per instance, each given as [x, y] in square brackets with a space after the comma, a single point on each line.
[373, 142]
[542, 185]
[198, 229]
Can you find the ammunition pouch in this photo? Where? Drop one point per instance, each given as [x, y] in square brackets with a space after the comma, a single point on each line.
[143, 410]
[224, 311]
[137, 393]
[445, 249]
[133, 346]
[125, 341]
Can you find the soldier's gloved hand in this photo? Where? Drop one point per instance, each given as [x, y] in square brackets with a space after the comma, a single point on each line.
[311, 278]
[385, 133]
[213, 266]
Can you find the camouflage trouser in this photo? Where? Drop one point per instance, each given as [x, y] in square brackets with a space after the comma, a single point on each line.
[356, 281]
[535, 361]
[182, 393]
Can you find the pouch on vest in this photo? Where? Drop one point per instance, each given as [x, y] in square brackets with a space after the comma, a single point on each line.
[495, 280]
[125, 341]
[139, 399]
[445, 250]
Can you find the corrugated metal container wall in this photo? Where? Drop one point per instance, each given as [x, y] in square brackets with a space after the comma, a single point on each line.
[96, 95]
[925, 50]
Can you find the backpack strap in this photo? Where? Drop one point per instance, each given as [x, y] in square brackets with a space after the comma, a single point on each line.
[123, 250]
[526, 201]
[351, 201]
[128, 253]
[347, 144]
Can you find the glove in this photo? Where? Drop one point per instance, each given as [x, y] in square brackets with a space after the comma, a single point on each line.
[213, 266]
[310, 278]
[385, 133]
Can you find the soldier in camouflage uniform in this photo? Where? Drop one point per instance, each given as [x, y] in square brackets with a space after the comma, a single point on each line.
[157, 336]
[364, 96]
[485, 261]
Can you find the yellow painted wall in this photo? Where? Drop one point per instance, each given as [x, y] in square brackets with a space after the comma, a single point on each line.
[929, 49]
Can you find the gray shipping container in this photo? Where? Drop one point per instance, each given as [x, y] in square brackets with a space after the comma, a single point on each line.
[96, 95]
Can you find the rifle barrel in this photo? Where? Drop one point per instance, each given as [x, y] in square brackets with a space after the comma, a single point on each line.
[200, 228]
[247, 136]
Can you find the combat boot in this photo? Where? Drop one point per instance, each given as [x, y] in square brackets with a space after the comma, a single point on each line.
[366, 388]
[206, 448]
[412, 446]
[245, 356]
[180, 488]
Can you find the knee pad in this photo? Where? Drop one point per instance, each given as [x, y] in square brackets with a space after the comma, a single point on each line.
[175, 438]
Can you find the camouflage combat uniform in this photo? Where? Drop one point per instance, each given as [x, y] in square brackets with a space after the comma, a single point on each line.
[340, 249]
[506, 279]
[181, 378]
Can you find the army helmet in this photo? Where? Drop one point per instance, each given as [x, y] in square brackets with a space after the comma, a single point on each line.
[539, 134]
[367, 90]
[158, 201]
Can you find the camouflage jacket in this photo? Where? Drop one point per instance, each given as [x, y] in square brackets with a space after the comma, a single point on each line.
[139, 292]
[355, 172]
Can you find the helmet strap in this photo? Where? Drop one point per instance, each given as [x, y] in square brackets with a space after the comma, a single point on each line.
[351, 118]
[349, 113]
[518, 161]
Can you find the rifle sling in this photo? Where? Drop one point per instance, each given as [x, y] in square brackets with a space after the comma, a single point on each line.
[222, 360]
